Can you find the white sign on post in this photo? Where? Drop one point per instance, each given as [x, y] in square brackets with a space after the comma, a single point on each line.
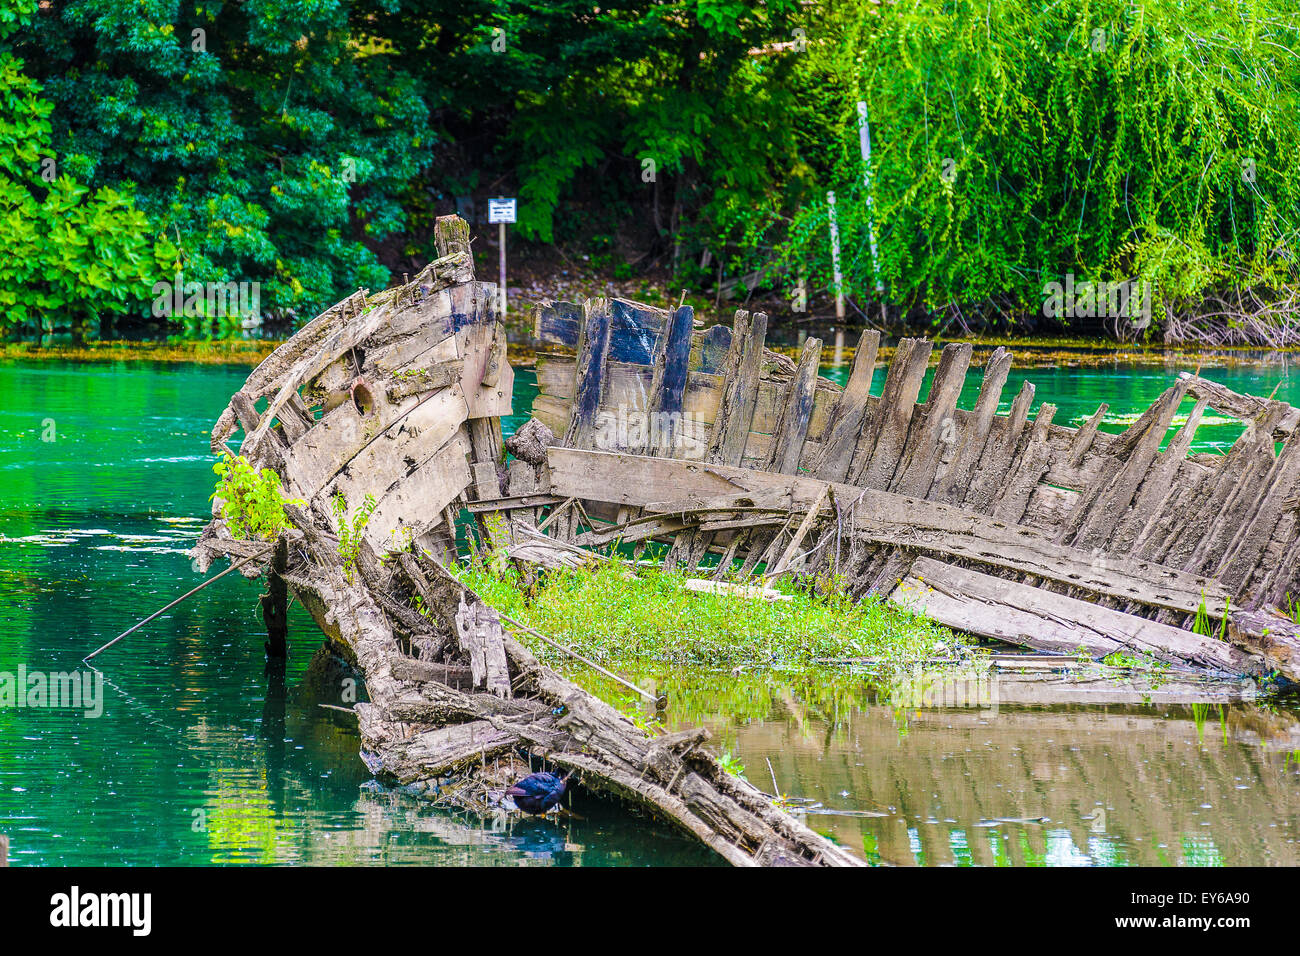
[502, 210]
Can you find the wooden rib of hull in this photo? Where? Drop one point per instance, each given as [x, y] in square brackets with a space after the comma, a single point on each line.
[1133, 512]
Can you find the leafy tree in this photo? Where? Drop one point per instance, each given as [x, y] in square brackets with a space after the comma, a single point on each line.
[69, 251]
[1014, 145]
[271, 138]
[308, 144]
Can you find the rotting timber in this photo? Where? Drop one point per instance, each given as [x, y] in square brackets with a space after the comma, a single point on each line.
[393, 402]
[1057, 538]
[648, 428]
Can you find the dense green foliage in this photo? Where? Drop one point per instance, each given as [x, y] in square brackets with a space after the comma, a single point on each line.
[1016, 143]
[68, 250]
[307, 146]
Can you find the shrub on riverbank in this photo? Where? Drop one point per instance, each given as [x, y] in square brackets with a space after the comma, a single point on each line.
[67, 251]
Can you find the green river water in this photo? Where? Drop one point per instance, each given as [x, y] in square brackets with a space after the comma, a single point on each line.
[200, 757]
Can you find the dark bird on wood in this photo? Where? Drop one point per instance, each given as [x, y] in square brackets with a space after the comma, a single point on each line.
[538, 792]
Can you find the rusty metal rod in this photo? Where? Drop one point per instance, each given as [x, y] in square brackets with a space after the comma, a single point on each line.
[216, 577]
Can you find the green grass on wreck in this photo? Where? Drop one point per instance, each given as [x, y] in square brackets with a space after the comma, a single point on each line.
[631, 616]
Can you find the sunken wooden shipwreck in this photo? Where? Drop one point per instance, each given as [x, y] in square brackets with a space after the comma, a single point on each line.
[734, 461]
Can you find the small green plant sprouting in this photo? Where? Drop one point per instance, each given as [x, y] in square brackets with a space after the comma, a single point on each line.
[1120, 659]
[497, 529]
[399, 542]
[729, 763]
[252, 502]
[350, 534]
[1293, 608]
[1204, 626]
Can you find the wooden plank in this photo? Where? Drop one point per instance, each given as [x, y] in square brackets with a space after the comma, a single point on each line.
[836, 454]
[511, 502]
[393, 453]
[882, 440]
[1246, 408]
[589, 373]
[787, 448]
[1283, 579]
[999, 454]
[413, 351]
[934, 427]
[423, 381]
[295, 418]
[342, 340]
[635, 328]
[809, 519]
[1085, 436]
[710, 348]
[1010, 505]
[1244, 553]
[740, 389]
[1184, 500]
[416, 503]
[557, 323]
[888, 519]
[669, 385]
[1279, 554]
[1158, 485]
[1021, 614]
[1241, 480]
[486, 377]
[955, 483]
[444, 749]
[478, 630]
[1274, 636]
[341, 435]
[632, 532]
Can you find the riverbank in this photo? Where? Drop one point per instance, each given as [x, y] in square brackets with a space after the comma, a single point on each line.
[1028, 352]
[230, 352]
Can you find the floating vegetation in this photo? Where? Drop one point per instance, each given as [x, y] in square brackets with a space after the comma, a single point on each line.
[624, 615]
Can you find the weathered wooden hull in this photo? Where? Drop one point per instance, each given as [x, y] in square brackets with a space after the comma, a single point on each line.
[383, 417]
[1024, 530]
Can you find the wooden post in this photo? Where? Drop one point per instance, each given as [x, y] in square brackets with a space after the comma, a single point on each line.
[501, 311]
[4, 850]
[589, 373]
[739, 389]
[275, 604]
[663, 424]
[450, 235]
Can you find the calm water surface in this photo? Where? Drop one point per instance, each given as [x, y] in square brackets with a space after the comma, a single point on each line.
[201, 757]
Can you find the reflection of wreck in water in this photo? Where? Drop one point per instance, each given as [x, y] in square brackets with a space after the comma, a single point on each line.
[384, 416]
[1060, 782]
